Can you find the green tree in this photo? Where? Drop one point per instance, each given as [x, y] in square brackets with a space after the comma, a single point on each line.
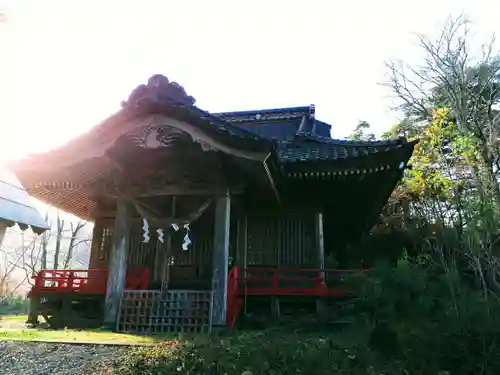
[362, 132]
[464, 81]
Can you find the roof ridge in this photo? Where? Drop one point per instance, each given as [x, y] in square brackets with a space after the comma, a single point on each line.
[266, 110]
[259, 115]
[337, 141]
[211, 117]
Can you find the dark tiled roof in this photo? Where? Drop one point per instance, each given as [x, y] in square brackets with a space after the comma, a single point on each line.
[322, 129]
[223, 125]
[274, 130]
[277, 124]
[265, 114]
[311, 148]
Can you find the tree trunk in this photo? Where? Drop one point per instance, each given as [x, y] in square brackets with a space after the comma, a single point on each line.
[492, 187]
[59, 234]
[72, 242]
[43, 244]
[43, 257]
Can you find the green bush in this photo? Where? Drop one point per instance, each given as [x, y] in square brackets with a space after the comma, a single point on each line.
[268, 352]
[439, 321]
[13, 305]
[414, 318]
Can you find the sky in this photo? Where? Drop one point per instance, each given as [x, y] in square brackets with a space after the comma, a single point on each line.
[66, 65]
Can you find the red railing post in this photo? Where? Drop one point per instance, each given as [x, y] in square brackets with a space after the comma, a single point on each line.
[39, 280]
[276, 283]
[235, 280]
[70, 279]
[230, 297]
[145, 278]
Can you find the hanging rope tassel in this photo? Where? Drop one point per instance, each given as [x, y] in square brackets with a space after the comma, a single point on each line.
[187, 240]
[161, 235]
[145, 231]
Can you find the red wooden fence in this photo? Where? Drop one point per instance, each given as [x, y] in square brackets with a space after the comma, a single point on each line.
[92, 281]
[312, 282]
[292, 281]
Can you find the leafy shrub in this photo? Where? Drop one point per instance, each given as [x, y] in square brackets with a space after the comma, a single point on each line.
[440, 321]
[414, 316]
[268, 352]
[13, 305]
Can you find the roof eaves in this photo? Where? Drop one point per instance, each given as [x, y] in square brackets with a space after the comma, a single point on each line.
[348, 142]
[308, 152]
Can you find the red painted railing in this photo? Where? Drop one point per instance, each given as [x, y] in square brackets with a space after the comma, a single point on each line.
[292, 282]
[281, 282]
[93, 281]
[233, 301]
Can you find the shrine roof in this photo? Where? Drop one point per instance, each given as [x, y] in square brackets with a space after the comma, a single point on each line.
[294, 133]
[278, 124]
[310, 148]
[292, 137]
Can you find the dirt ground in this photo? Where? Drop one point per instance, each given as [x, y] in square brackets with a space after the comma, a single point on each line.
[31, 358]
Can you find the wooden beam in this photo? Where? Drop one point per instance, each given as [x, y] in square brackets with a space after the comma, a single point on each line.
[320, 242]
[320, 247]
[220, 260]
[95, 245]
[271, 179]
[117, 266]
[155, 218]
[183, 189]
[165, 273]
[241, 242]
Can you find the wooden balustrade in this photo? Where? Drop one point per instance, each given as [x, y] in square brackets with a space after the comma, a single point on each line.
[292, 281]
[91, 281]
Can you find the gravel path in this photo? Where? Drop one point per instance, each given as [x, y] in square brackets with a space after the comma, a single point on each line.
[24, 358]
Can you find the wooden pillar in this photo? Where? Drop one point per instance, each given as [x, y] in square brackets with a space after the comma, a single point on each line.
[117, 266]
[220, 260]
[320, 247]
[242, 251]
[241, 243]
[275, 306]
[33, 307]
[95, 245]
[320, 243]
[165, 272]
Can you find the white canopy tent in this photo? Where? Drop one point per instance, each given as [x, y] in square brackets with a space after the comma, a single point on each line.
[17, 207]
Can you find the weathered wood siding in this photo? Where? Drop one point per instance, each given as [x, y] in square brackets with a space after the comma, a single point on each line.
[281, 239]
[102, 240]
[273, 239]
[186, 267]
